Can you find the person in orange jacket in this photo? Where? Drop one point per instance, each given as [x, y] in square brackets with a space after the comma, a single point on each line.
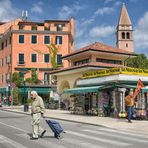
[129, 102]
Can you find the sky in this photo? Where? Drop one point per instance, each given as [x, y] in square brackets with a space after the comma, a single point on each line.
[95, 20]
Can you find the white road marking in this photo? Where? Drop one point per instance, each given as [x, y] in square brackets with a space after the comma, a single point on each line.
[99, 139]
[122, 132]
[81, 143]
[14, 127]
[11, 142]
[43, 142]
[117, 136]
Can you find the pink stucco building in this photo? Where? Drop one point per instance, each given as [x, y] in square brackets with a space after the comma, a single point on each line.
[23, 46]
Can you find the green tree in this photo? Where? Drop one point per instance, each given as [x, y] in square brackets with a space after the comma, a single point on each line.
[140, 61]
[16, 100]
[34, 76]
[16, 79]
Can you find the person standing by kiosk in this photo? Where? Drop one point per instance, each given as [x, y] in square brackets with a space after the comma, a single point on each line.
[129, 102]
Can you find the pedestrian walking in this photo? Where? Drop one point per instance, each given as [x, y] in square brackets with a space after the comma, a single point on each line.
[37, 111]
[10, 100]
[129, 102]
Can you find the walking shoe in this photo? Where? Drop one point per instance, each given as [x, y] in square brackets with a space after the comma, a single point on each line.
[34, 138]
[42, 134]
[129, 121]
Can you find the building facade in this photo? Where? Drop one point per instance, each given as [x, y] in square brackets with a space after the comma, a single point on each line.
[97, 78]
[24, 46]
[124, 31]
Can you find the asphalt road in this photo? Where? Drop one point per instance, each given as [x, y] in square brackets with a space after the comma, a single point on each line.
[15, 132]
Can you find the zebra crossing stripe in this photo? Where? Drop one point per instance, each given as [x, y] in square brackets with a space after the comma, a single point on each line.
[117, 136]
[122, 132]
[13, 143]
[98, 139]
[80, 143]
[43, 142]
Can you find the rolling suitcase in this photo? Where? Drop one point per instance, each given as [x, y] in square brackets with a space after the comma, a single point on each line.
[55, 127]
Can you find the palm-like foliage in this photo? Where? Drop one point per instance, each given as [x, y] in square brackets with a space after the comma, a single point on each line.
[140, 61]
[53, 50]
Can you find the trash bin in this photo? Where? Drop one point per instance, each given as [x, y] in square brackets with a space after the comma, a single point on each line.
[26, 107]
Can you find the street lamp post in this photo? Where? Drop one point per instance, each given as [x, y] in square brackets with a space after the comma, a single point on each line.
[24, 101]
[24, 84]
[24, 97]
[9, 83]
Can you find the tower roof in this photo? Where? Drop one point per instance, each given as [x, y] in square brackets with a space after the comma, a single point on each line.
[124, 18]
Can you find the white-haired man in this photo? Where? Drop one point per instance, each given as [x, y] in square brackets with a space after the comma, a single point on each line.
[37, 111]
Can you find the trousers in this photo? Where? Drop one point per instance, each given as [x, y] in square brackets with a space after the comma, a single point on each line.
[130, 112]
[36, 128]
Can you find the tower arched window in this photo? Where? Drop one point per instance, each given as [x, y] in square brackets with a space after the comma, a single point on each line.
[128, 35]
[123, 35]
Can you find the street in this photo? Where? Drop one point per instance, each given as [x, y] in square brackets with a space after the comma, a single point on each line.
[15, 132]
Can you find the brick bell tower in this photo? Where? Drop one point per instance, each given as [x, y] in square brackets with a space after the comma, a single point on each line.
[124, 31]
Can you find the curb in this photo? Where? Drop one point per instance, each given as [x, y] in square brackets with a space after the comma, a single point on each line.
[26, 113]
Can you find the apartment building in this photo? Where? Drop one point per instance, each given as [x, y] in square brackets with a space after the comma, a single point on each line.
[23, 46]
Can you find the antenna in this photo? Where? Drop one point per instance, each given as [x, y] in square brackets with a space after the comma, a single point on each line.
[24, 15]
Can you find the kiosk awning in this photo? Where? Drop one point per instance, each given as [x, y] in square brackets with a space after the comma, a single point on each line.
[2, 90]
[145, 89]
[38, 90]
[80, 90]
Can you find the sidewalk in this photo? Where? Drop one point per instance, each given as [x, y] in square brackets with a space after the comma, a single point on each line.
[140, 126]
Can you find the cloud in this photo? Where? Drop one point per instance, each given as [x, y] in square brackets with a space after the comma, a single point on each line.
[104, 10]
[7, 12]
[102, 31]
[107, 10]
[81, 27]
[37, 8]
[141, 34]
[108, 1]
[67, 11]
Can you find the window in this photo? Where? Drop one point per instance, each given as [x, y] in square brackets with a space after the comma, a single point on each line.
[2, 62]
[21, 39]
[10, 40]
[33, 58]
[128, 35]
[59, 59]
[21, 58]
[81, 62]
[109, 61]
[21, 27]
[2, 45]
[46, 78]
[8, 59]
[58, 39]
[34, 27]
[126, 45]
[123, 35]
[46, 58]
[47, 28]
[46, 39]
[6, 43]
[21, 74]
[34, 39]
[59, 27]
[2, 78]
